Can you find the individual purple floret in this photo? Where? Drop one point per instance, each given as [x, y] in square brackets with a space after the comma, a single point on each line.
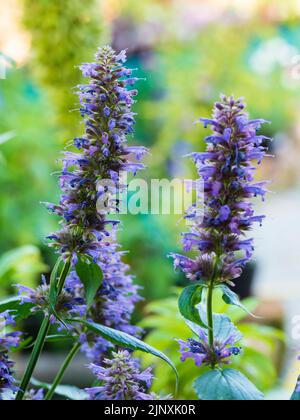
[121, 379]
[227, 168]
[103, 153]
[8, 341]
[204, 354]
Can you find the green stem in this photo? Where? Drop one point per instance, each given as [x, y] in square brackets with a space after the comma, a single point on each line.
[36, 352]
[62, 371]
[209, 309]
[63, 276]
[40, 341]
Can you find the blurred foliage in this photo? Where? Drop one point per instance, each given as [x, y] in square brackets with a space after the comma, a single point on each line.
[21, 265]
[64, 34]
[29, 159]
[257, 361]
[3, 139]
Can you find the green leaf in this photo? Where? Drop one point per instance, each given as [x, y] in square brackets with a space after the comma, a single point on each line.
[232, 298]
[53, 292]
[189, 298]
[223, 327]
[91, 276]
[53, 285]
[14, 304]
[56, 338]
[67, 391]
[228, 385]
[296, 394]
[125, 340]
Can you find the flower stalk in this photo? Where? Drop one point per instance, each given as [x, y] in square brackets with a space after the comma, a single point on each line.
[41, 338]
[75, 349]
[219, 230]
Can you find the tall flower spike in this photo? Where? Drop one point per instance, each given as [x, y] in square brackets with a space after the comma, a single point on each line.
[121, 379]
[88, 176]
[227, 169]
[103, 153]
[8, 341]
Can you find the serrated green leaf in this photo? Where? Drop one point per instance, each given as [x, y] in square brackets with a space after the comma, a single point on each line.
[231, 298]
[223, 327]
[125, 340]
[188, 300]
[228, 385]
[14, 304]
[296, 394]
[67, 391]
[91, 276]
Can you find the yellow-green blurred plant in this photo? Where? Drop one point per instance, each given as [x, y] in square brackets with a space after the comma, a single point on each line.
[3, 139]
[64, 34]
[165, 324]
[22, 264]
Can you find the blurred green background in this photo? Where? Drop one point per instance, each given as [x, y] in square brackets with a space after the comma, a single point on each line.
[188, 52]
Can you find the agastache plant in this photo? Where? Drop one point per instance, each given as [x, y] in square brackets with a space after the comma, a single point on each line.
[91, 296]
[219, 237]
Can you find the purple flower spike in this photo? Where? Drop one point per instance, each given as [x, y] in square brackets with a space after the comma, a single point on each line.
[102, 153]
[121, 379]
[105, 105]
[227, 169]
[8, 341]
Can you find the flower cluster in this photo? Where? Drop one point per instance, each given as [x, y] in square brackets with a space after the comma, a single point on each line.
[68, 302]
[113, 304]
[8, 341]
[121, 379]
[92, 175]
[227, 170]
[203, 353]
